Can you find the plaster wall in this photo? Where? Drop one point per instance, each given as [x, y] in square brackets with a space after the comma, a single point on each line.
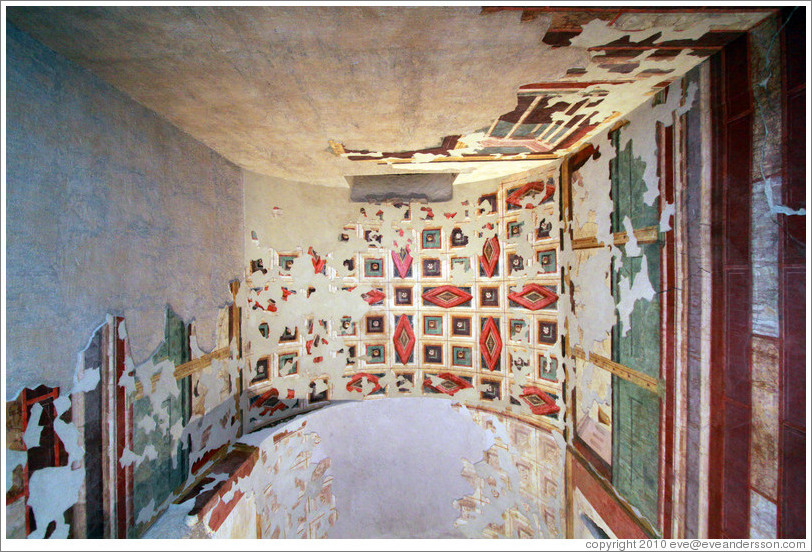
[110, 210]
[290, 214]
[617, 292]
[765, 238]
[402, 487]
[403, 468]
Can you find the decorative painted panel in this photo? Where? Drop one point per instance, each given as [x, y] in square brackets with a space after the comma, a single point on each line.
[636, 413]
[467, 289]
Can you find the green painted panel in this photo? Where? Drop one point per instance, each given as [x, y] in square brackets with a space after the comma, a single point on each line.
[628, 188]
[156, 479]
[640, 347]
[635, 446]
[636, 411]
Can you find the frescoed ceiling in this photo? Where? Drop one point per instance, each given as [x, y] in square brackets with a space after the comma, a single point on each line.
[648, 49]
[313, 94]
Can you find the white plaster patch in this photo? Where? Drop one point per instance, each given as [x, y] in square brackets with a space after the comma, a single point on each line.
[147, 423]
[668, 210]
[150, 453]
[49, 506]
[594, 312]
[591, 189]
[146, 512]
[129, 458]
[632, 249]
[33, 431]
[642, 124]
[69, 436]
[777, 208]
[87, 382]
[630, 293]
[61, 404]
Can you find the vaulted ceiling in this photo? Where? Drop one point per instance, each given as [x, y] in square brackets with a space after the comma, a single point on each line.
[313, 94]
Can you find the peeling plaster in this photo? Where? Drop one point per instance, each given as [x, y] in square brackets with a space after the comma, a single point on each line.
[591, 189]
[46, 505]
[297, 468]
[591, 322]
[762, 85]
[667, 212]
[32, 433]
[641, 127]
[631, 292]
[594, 314]
[516, 484]
[49, 506]
[632, 249]
[278, 299]
[314, 477]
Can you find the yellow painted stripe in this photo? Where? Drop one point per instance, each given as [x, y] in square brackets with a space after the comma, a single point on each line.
[638, 378]
[649, 234]
[186, 369]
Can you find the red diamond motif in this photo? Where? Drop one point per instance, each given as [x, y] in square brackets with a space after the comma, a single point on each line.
[404, 339]
[490, 256]
[516, 197]
[402, 262]
[318, 262]
[540, 402]
[490, 343]
[356, 383]
[447, 296]
[450, 385]
[533, 297]
[374, 296]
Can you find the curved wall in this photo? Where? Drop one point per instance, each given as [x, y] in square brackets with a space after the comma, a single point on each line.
[406, 468]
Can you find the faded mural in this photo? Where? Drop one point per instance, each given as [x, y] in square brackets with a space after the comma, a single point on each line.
[459, 300]
[456, 299]
[453, 300]
[533, 302]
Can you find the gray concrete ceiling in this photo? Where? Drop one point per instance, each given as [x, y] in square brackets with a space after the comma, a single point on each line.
[299, 92]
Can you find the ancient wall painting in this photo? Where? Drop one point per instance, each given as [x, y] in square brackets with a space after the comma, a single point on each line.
[387, 313]
[614, 260]
[437, 282]
[517, 484]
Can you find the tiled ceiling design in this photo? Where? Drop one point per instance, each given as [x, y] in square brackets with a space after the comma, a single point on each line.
[464, 305]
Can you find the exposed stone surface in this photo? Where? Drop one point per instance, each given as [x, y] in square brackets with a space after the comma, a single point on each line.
[764, 430]
[763, 517]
